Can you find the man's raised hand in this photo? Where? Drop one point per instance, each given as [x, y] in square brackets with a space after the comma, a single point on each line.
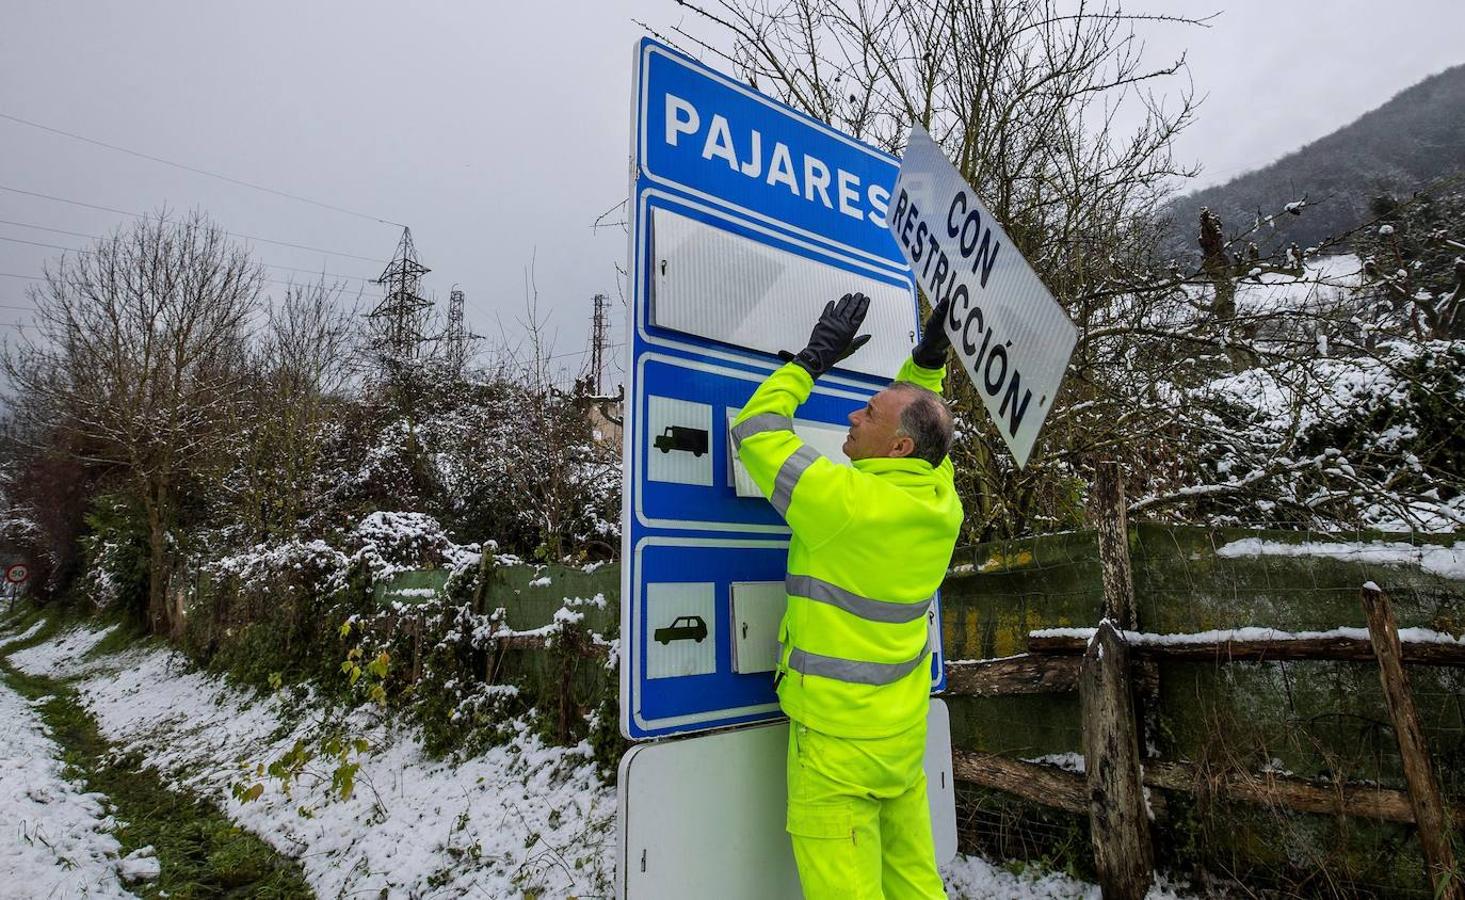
[834, 335]
[930, 353]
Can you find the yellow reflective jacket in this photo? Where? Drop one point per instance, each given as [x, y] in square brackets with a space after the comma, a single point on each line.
[871, 544]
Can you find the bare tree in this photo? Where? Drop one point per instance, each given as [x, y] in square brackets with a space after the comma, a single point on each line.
[301, 364]
[552, 465]
[1029, 99]
[137, 361]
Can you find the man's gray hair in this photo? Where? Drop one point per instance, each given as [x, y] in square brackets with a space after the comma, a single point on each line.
[926, 421]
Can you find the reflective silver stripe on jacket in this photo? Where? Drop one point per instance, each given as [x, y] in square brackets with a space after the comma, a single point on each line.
[854, 671]
[788, 476]
[759, 424]
[867, 608]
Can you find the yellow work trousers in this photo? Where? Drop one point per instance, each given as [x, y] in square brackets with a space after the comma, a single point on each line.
[858, 816]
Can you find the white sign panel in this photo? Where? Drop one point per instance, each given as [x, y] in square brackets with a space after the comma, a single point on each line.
[826, 438]
[684, 629]
[704, 816]
[713, 283]
[679, 438]
[1011, 335]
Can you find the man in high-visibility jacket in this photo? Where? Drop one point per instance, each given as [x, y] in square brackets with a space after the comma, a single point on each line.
[871, 544]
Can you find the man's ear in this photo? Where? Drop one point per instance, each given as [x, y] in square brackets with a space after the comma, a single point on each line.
[903, 445]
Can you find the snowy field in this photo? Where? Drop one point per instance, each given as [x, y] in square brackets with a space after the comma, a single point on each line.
[526, 819]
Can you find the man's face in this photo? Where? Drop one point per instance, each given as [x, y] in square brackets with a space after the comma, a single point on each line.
[874, 429]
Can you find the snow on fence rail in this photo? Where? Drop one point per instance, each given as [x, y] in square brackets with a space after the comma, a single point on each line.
[1421, 645]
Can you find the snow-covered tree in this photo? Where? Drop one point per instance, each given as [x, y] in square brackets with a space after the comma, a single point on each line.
[136, 364]
[1192, 375]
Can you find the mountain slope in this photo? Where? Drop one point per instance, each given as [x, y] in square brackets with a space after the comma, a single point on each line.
[1410, 143]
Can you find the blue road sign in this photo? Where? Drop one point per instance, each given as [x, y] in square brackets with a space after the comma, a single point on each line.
[746, 217]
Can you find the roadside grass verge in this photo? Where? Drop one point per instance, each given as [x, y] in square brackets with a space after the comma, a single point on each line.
[202, 853]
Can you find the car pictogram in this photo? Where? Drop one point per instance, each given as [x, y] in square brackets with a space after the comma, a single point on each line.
[684, 628]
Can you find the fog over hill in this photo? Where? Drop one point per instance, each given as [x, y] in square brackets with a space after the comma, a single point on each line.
[1416, 141]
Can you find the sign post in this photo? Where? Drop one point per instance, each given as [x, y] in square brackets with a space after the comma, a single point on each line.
[1012, 337]
[746, 217]
[16, 575]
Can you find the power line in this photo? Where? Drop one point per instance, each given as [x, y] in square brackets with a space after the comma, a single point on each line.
[247, 237]
[44, 228]
[196, 170]
[109, 209]
[39, 244]
[99, 237]
[581, 352]
[43, 278]
[322, 274]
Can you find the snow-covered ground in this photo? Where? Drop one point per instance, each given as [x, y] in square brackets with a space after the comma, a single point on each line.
[520, 819]
[63, 656]
[55, 839]
[973, 878]
[526, 819]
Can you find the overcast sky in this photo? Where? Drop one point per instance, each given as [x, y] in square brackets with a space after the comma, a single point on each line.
[499, 131]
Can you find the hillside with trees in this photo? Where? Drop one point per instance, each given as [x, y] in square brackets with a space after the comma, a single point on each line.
[1414, 142]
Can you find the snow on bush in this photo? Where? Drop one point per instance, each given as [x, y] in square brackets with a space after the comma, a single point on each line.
[392, 542]
[314, 560]
[1365, 440]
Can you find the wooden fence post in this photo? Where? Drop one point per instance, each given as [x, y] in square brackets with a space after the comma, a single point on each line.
[1119, 822]
[480, 608]
[1106, 505]
[1424, 790]
[416, 647]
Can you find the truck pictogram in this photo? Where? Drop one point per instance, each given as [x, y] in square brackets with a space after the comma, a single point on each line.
[680, 437]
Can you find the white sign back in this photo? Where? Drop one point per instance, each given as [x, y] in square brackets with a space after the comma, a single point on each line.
[704, 816]
[1011, 335]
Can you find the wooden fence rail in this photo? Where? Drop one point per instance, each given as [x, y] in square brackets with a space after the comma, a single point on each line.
[1027, 673]
[1061, 789]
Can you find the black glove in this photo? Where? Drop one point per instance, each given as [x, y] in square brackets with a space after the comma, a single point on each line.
[930, 353]
[833, 337]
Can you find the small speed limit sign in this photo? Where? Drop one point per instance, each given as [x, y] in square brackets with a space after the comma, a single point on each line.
[17, 573]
